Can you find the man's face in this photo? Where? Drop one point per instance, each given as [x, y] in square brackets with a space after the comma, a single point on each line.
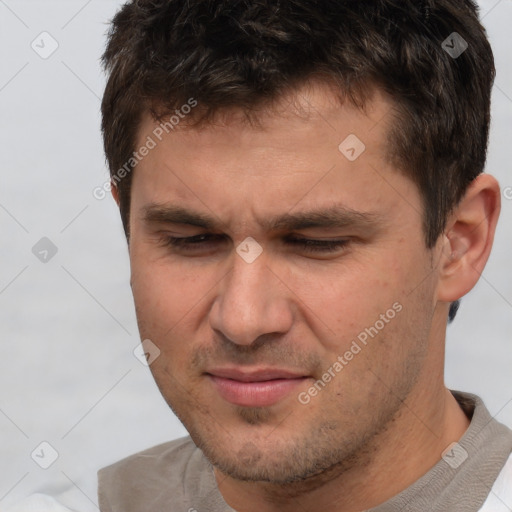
[284, 363]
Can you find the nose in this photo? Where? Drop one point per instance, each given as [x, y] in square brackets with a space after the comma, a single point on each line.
[252, 301]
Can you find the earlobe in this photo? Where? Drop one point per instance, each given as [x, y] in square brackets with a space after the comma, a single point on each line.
[468, 238]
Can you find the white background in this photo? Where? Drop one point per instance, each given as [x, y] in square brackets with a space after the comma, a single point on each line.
[67, 327]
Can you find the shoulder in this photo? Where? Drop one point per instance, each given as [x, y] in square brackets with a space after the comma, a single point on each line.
[136, 482]
[173, 453]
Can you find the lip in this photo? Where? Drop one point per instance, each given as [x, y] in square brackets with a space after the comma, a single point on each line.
[256, 388]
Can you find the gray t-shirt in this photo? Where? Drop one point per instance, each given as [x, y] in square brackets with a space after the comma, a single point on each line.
[176, 476]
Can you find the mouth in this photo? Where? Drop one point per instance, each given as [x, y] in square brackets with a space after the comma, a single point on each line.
[256, 388]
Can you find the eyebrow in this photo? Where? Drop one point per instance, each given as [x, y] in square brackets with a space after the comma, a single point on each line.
[336, 216]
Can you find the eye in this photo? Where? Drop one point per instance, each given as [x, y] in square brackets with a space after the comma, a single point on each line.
[207, 241]
[318, 246]
[192, 242]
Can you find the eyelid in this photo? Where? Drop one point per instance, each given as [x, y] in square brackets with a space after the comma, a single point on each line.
[287, 238]
[307, 245]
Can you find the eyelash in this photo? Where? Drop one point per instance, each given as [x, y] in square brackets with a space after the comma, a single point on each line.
[306, 244]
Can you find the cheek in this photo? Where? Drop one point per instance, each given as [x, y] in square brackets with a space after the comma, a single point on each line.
[340, 302]
[172, 300]
[162, 292]
[164, 303]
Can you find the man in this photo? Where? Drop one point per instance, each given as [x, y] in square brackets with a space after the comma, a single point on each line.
[302, 192]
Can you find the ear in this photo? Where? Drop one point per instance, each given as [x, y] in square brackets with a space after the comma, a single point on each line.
[468, 238]
[115, 192]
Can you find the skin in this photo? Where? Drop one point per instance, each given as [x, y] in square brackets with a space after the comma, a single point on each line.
[385, 418]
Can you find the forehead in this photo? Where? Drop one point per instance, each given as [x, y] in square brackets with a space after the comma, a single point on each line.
[314, 109]
[310, 150]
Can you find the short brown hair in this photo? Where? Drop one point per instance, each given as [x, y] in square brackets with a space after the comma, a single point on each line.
[431, 57]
